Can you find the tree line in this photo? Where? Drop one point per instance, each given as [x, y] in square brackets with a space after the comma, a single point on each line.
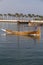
[21, 16]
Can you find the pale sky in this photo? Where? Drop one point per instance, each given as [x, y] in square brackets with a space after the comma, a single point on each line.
[21, 6]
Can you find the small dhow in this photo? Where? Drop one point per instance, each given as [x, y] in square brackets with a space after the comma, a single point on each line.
[25, 33]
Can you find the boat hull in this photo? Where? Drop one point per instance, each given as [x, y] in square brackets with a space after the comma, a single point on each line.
[26, 33]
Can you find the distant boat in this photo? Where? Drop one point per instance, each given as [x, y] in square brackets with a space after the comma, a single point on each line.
[25, 33]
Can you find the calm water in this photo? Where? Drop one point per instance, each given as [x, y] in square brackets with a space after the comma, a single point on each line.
[20, 50]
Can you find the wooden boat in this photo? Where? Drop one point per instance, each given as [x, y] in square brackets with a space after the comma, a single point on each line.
[25, 33]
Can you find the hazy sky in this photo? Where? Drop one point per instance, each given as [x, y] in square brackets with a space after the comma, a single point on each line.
[21, 6]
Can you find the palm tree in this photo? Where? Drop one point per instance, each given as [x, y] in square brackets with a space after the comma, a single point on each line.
[41, 17]
[14, 16]
[30, 16]
[21, 15]
[17, 15]
[38, 17]
[33, 16]
[4, 16]
[9, 15]
[26, 17]
[1, 16]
